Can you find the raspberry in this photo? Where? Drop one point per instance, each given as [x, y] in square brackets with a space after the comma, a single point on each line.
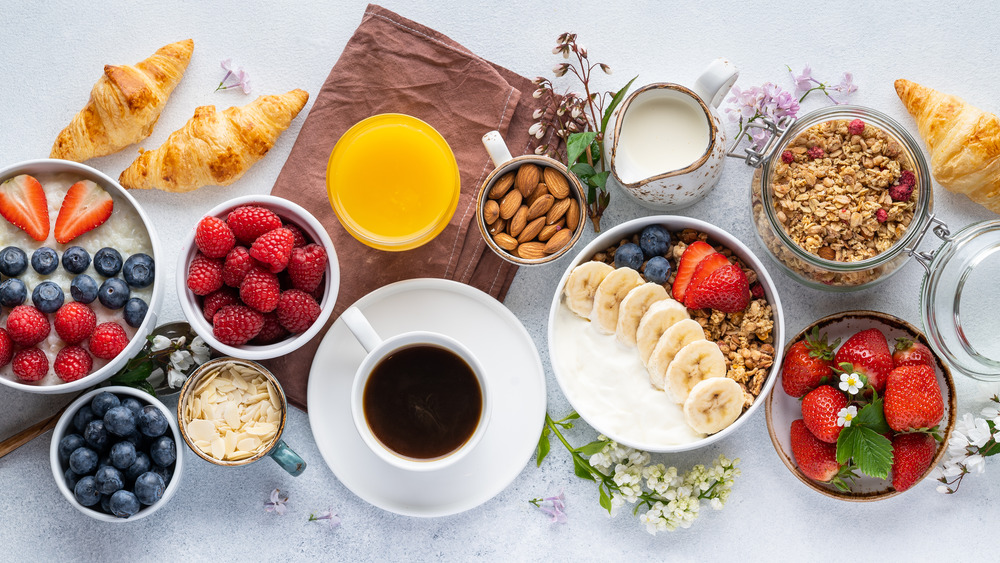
[108, 340]
[6, 348]
[72, 363]
[217, 300]
[881, 215]
[306, 267]
[300, 237]
[235, 325]
[260, 290]
[75, 322]
[250, 221]
[273, 249]
[757, 291]
[204, 275]
[787, 157]
[271, 332]
[856, 127]
[900, 192]
[297, 310]
[214, 237]
[27, 325]
[30, 364]
[816, 152]
[908, 177]
[238, 263]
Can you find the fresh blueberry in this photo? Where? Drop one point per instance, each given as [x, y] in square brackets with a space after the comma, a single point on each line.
[102, 403]
[162, 451]
[123, 455]
[113, 293]
[71, 478]
[139, 270]
[86, 492]
[13, 261]
[95, 435]
[104, 461]
[124, 504]
[654, 240]
[108, 262]
[135, 312]
[47, 297]
[133, 404]
[13, 292]
[68, 444]
[105, 502]
[141, 465]
[120, 421]
[628, 255]
[149, 488]
[165, 473]
[83, 288]
[109, 480]
[657, 270]
[44, 260]
[83, 461]
[75, 259]
[135, 437]
[152, 423]
[82, 418]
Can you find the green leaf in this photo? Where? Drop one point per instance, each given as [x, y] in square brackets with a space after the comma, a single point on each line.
[870, 451]
[605, 499]
[615, 100]
[581, 469]
[543, 448]
[134, 376]
[572, 416]
[599, 180]
[576, 144]
[872, 416]
[145, 386]
[591, 194]
[583, 170]
[592, 448]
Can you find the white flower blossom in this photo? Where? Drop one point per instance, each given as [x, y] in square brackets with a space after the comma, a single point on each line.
[175, 378]
[851, 383]
[846, 415]
[199, 350]
[160, 342]
[181, 360]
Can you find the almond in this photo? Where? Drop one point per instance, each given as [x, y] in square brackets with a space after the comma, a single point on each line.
[528, 177]
[531, 250]
[558, 210]
[541, 190]
[491, 211]
[541, 206]
[572, 215]
[547, 231]
[531, 230]
[510, 204]
[558, 241]
[497, 226]
[505, 241]
[501, 186]
[558, 185]
[518, 221]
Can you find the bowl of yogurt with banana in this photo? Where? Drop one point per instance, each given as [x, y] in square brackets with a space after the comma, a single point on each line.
[663, 333]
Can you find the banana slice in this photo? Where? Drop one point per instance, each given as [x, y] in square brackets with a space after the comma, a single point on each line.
[658, 318]
[581, 285]
[695, 362]
[609, 296]
[713, 404]
[679, 335]
[632, 309]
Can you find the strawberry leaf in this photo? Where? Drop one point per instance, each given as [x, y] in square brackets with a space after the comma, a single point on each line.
[872, 416]
[870, 451]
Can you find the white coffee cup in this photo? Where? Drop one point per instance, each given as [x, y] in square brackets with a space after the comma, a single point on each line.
[378, 350]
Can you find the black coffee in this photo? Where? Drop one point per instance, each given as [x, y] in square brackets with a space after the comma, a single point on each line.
[422, 402]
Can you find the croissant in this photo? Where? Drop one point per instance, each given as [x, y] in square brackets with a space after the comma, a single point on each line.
[124, 105]
[964, 142]
[215, 147]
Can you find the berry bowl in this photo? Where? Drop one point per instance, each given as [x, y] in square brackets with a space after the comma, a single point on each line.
[128, 459]
[258, 283]
[852, 336]
[84, 256]
[657, 350]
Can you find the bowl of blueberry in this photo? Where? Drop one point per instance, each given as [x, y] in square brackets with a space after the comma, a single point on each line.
[114, 454]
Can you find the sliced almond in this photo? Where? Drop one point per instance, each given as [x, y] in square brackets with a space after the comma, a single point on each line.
[501, 186]
[531, 230]
[558, 185]
[541, 206]
[558, 241]
[518, 221]
[528, 177]
[491, 211]
[510, 204]
[531, 250]
[557, 211]
[572, 215]
[505, 241]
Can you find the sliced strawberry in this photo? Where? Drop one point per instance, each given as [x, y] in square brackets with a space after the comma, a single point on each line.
[85, 207]
[23, 203]
[725, 289]
[694, 254]
[708, 264]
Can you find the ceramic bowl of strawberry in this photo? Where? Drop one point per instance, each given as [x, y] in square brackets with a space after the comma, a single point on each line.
[882, 406]
[644, 333]
[79, 287]
[258, 277]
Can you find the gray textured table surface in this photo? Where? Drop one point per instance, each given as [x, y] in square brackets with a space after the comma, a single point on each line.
[53, 52]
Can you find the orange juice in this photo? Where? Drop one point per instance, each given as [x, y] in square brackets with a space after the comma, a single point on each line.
[393, 182]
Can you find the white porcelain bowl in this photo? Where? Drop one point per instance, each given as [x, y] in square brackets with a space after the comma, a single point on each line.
[587, 409]
[66, 420]
[312, 228]
[123, 200]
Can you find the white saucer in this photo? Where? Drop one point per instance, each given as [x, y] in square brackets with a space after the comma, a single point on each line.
[516, 379]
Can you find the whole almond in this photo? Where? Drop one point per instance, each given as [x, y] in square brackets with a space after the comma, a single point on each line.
[558, 210]
[531, 250]
[528, 177]
[498, 226]
[501, 186]
[518, 221]
[547, 231]
[491, 211]
[558, 241]
[541, 206]
[558, 186]
[510, 204]
[572, 215]
[541, 190]
[505, 241]
[531, 230]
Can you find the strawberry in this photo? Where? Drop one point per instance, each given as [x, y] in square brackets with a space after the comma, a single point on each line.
[868, 353]
[30, 364]
[72, 363]
[689, 261]
[913, 398]
[297, 310]
[85, 207]
[816, 459]
[912, 455]
[75, 322]
[235, 325]
[260, 290]
[273, 249]
[27, 325]
[300, 237]
[250, 221]
[819, 410]
[910, 353]
[807, 364]
[213, 237]
[306, 266]
[108, 340]
[217, 300]
[271, 332]
[23, 204]
[6, 348]
[708, 264]
[204, 275]
[238, 263]
[725, 289]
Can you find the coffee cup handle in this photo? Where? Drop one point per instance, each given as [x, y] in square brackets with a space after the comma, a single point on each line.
[497, 148]
[358, 324]
[715, 82]
[287, 459]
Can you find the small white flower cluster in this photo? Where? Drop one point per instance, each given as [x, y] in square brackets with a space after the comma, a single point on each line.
[966, 446]
[674, 500]
[181, 360]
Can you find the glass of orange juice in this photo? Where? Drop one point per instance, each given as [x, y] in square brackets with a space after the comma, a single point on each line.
[393, 181]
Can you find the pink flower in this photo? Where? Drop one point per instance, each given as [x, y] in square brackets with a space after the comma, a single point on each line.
[332, 519]
[234, 78]
[277, 503]
[553, 506]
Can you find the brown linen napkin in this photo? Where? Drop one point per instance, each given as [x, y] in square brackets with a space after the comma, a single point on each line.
[393, 65]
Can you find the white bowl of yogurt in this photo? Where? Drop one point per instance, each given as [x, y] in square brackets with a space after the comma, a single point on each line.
[128, 230]
[607, 383]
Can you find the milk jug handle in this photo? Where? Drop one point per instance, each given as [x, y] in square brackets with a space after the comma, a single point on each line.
[497, 148]
[715, 82]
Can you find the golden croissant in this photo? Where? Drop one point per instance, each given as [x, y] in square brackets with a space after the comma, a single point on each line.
[215, 148]
[124, 105]
[964, 142]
